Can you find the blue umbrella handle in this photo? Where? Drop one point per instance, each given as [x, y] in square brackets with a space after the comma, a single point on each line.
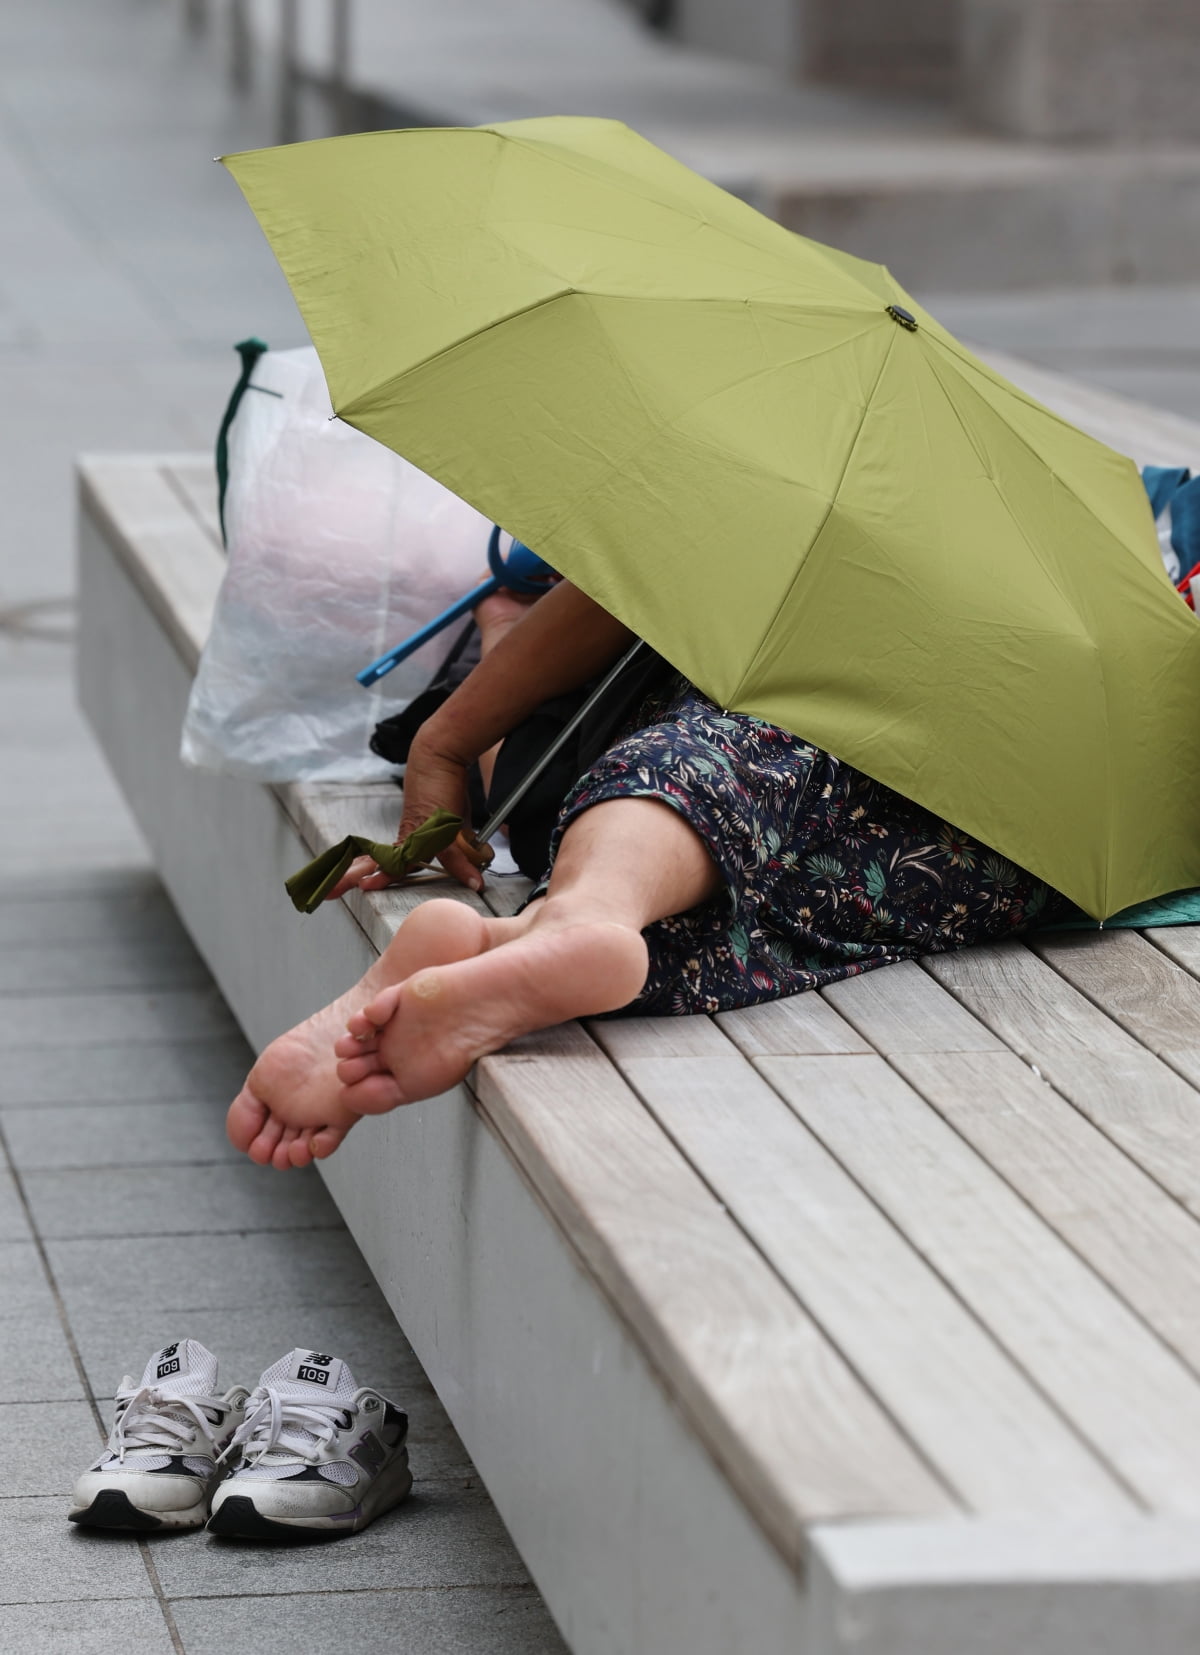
[521, 571]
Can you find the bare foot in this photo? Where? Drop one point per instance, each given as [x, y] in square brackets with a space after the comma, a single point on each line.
[420, 1036]
[292, 1106]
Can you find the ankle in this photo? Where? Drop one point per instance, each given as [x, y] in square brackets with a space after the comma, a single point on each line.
[562, 908]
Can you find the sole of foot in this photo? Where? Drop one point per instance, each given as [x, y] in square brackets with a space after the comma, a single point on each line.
[294, 1087]
[440, 1021]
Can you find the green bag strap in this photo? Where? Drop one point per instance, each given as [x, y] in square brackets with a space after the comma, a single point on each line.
[312, 884]
[249, 350]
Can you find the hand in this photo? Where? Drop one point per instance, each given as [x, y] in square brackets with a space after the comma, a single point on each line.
[433, 780]
[499, 614]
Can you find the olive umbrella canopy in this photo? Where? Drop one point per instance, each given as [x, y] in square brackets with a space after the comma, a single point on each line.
[770, 463]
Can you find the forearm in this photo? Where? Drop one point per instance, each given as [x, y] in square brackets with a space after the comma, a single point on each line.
[562, 641]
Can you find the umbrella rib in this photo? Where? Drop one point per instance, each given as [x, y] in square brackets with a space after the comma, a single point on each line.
[833, 499]
[1038, 407]
[367, 400]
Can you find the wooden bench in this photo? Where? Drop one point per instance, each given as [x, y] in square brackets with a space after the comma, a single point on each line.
[866, 1320]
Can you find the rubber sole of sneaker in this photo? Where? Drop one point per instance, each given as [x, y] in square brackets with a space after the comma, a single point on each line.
[113, 1509]
[238, 1518]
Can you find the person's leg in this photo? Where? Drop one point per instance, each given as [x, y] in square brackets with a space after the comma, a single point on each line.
[578, 952]
[454, 985]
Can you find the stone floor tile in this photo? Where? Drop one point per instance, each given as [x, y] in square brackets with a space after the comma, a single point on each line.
[116, 962]
[179, 1200]
[274, 1268]
[139, 912]
[24, 1290]
[36, 1364]
[45, 1559]
[377, 1623]
[108, 1072]
[247, 1340]
[118, 1134]
[440, 1536]
[136, 1018]
[133, 886]
[14, 1226]
[134, 1627]
[45, 1445]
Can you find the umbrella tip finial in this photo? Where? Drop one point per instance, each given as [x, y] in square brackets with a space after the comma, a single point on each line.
[905, 318]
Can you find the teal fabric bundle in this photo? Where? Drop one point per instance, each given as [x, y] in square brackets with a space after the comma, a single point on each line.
[1180, 908]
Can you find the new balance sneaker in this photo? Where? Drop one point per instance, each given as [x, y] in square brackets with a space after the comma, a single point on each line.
[159, 1466]
[317, 1455]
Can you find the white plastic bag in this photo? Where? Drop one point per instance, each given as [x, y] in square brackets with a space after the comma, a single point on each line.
[338, 549]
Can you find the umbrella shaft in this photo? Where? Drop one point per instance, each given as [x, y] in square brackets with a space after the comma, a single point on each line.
[499, 817]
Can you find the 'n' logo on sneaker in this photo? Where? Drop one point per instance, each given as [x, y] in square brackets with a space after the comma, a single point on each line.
[165, 1365]
[369, 1452]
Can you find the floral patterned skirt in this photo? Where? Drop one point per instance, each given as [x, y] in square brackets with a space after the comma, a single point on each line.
[825, 872]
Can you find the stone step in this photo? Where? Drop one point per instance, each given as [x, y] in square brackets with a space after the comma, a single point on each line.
[901, 182]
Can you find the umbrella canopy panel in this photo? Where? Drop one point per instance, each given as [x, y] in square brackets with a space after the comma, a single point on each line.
[722, 433]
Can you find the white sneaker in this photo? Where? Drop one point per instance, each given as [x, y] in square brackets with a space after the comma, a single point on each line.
[159, 1467]
[318, 1454]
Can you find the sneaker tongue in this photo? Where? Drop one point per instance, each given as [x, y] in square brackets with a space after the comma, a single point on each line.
[185, 1368]
[310, 1374]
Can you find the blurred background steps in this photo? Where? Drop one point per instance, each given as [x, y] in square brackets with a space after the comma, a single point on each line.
[882, 170]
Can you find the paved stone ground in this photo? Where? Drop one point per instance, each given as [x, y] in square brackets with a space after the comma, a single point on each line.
[127, 268]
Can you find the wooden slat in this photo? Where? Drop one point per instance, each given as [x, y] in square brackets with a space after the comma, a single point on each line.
[1130, 1396]
[789, 1423]
[900, 1009]
[1180, 943]
[1128, 1092]
[324, 813]
[803, 1024]
[963, 1401]
[1135, 983]
[504, 894]
[1114, 1215]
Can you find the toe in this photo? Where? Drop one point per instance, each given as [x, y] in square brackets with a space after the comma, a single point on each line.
[353, 1069]
[245, 1120]
[380, 1011]
[300, 1150]
[354, 1044]
[373, 1096]
[281, 1158]
[327, 1140]
[263, 1146]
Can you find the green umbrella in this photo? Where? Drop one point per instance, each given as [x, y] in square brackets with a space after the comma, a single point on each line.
[773, 465]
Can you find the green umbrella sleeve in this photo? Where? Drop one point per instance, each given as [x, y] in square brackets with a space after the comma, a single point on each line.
[312, 884]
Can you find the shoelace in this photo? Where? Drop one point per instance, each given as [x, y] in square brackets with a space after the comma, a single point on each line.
[148, 1418]
[300, 1429]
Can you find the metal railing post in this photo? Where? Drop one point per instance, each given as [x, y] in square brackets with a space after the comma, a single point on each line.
[241, 57]
[340, 93]
[288, 115]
